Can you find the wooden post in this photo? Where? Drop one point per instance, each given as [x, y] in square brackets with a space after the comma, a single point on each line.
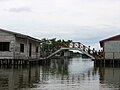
[113, 59]
[20, 62]
[7, 62]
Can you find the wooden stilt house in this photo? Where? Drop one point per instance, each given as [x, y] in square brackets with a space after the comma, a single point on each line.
[18, 46]
[111, 47]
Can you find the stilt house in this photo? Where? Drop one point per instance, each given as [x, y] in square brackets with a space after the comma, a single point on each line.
[18, 46]
[111, 47]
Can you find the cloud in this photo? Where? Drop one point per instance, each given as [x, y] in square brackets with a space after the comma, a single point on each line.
[3, 0]
[87, 21]
[20, 9]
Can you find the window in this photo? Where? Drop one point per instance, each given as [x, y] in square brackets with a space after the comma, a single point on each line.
[21, 47]
[4, 46]
[37, 49]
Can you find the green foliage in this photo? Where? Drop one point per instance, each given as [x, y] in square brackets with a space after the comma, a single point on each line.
[54, 44]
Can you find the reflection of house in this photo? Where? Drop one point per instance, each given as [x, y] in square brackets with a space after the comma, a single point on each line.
[111, 47]
[18, 79]
[18, 46]
[110, 77]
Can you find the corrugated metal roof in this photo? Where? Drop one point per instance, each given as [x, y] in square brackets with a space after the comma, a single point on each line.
[21, 35]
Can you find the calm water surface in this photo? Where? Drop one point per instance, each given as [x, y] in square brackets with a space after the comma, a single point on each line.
[67, 74]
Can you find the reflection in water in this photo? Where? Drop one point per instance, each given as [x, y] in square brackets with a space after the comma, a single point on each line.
[72, 74]
[15, 79]
[110, 77]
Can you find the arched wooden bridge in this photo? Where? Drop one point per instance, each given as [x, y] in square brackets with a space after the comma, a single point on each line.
[75, 46]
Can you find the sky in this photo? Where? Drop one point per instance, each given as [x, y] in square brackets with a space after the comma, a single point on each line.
[86, 21]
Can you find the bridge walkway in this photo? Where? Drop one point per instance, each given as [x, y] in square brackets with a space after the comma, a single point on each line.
[61, 49]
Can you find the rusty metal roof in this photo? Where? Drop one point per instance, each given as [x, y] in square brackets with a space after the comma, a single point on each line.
[117, 37]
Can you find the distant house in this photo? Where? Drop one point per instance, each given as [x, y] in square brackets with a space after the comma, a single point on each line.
[18, 46]
[111, 47]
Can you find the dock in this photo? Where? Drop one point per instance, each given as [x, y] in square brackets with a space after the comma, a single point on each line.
[15, 62]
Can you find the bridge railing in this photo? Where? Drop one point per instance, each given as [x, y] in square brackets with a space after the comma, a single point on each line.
[80, 46]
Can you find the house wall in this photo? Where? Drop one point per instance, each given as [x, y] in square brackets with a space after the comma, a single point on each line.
[7, 37]
[33, 51]
[25, 54]
[18, 54]
[112, 49]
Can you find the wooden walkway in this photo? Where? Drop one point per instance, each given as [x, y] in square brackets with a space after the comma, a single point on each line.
[99, 62]
[21, 61]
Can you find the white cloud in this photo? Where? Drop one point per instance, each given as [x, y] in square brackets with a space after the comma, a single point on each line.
[20, 9]
[3, 0]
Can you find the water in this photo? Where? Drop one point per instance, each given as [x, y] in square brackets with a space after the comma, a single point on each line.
[67, 74]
